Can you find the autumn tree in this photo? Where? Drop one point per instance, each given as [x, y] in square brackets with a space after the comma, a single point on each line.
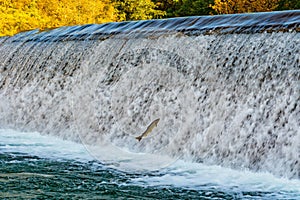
[22, 15]
[137, 10]
[244, 6]
[18, 16]
[72, 12]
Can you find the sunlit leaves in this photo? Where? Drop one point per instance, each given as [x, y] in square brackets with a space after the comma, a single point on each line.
[22, 15]
[137, 9]
[244, 6]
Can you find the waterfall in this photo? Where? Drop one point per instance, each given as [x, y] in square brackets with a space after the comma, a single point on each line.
[226, 88]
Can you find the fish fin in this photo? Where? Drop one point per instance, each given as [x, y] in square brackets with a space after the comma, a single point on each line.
[138, 138]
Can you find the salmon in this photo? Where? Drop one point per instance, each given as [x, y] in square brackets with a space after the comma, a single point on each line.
[148, 130]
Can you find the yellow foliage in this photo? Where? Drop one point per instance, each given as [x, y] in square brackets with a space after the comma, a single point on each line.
[71, 12]
[22, 15]
[244, 6]
[137, 10]
[17, 15]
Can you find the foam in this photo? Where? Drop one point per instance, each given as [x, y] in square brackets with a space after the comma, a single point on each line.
[180, 173]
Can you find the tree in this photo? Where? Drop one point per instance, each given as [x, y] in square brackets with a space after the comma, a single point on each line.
[74, 12]
[194, 7]
[137, 10]
[22, 15]
[244, 6]
[288, 5]
[168, 6]
[179, 8]
[18, 16]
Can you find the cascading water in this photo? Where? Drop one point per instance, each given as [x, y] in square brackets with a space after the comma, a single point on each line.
[226, 88]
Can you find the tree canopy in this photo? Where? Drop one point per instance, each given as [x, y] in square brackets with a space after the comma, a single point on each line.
[137, 9]
[244, 6]
[24, 15]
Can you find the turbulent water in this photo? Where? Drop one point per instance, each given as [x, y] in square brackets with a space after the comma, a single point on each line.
[226, 90]
[42, 167]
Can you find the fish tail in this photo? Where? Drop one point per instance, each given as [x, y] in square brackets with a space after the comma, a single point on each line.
[138, 138]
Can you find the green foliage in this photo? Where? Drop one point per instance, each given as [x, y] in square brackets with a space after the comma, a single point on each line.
[169, 6]
[194, 7]
[180, 8]
[137, 9]
[288, 5]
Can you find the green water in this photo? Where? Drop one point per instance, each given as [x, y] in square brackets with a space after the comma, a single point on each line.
[42, 167]
[30, 177]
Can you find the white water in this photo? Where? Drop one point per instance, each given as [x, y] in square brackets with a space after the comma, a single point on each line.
[33, 143]
[221, 99]
[179, 174]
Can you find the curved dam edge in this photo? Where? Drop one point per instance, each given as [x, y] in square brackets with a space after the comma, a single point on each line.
[281, 21]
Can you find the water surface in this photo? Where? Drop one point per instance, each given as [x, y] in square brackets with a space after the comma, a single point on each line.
[34, 166]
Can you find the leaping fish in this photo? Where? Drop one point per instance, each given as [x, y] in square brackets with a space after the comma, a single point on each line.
[148, 130]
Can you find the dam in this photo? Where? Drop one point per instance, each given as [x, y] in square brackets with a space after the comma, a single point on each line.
[226, 88]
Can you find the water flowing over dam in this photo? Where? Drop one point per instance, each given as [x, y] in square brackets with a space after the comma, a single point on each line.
[226, 88]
